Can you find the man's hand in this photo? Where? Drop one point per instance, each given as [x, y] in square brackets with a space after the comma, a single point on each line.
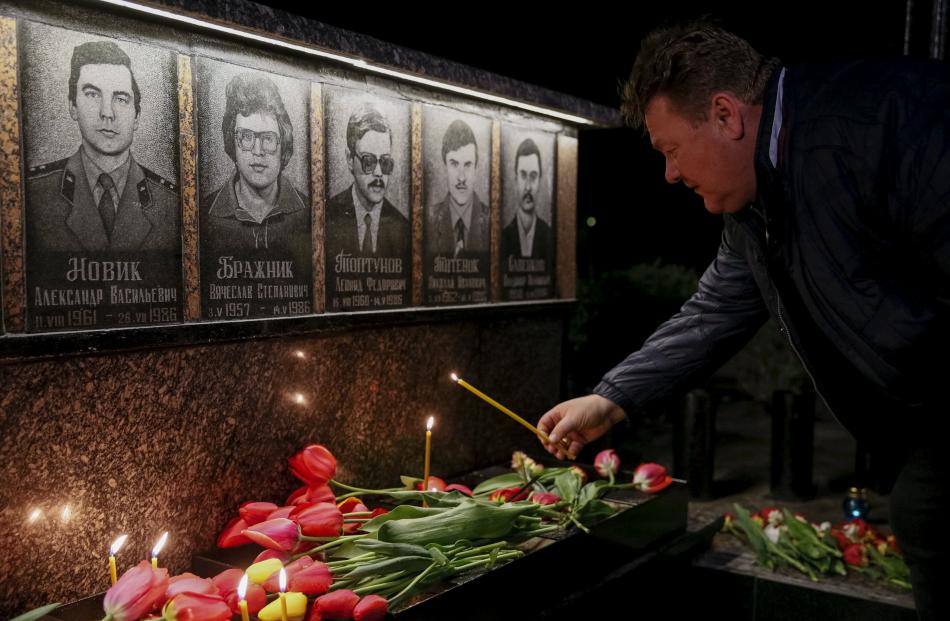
[580, 420]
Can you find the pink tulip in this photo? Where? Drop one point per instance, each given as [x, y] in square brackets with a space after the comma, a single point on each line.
[197, 607]
[136, 592]
[435, 484]
[314, 465]
[227, 583]
[459, 488]
[282, 512]
[320, 519]
[651, 478]
[189, 583]
[337, 604]
[544, 498]
[256, 512]
[278, 534]
[315, 579]
[607, 464]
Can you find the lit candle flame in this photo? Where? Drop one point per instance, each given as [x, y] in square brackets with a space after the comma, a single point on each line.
[455, 378]
[161, 544]
[242, 587]
[429, 423]
[282, 579]
[35, 515]
[117, 544]
[66, 513]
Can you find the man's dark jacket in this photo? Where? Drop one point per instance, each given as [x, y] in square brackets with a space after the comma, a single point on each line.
[847, 246]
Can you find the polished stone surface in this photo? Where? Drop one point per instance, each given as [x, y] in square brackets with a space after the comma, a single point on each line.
[566, 263]
[175, 439]
[11, 216]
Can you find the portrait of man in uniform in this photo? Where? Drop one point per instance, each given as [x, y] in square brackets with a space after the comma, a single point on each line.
[258, 206]
[528, 235]
[367, 241]
[360, 220]
[458, 224]
[100, 199]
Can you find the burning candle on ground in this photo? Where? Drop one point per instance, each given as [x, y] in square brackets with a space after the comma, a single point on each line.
[242, 595]
[282, 579]
[425, 476]
[158, 548]
[564, 443]
[113, 550]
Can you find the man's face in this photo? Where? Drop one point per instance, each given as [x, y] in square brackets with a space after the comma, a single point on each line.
[702, 157]
[105, 108]
[371, 185]
[460, 172]
[259, 133]
[527, 179]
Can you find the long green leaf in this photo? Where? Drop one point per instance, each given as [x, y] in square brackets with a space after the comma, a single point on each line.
[37, 613]
[511, 479]
[402, 512]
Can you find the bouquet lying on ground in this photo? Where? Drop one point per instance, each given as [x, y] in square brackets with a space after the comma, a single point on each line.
[342, 560]
[782, 539]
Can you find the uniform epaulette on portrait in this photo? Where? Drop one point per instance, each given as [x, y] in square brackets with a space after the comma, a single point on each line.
[155, 178]
[45, 169]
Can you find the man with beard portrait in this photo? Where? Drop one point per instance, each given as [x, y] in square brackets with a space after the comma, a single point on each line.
[527, 236]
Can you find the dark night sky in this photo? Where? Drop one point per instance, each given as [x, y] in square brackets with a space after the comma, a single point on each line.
[586, 53]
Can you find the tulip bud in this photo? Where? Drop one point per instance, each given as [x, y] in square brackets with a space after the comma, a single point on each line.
[136, 592]
[544, 498]
[337, 605]
[276, 534]
[196, 606]
[256, 512]
[459, 488]
[314, 465]
[651, 478]
[607, 464]
[233, 534]
[517, 460]
[371, 608]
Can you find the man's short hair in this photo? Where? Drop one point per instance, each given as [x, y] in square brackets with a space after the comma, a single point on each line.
[528, 147]
[100, 53]
[689, 62]
[250, 93]
[365, 118]
[458, 134]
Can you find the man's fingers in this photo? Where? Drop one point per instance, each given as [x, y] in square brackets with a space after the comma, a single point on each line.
[563, 427]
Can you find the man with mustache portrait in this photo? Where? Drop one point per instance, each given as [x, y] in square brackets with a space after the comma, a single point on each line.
[100, 198]
[360, 220]
[527, 236]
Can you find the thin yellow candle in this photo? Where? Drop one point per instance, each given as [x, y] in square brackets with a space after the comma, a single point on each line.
[282, 578]
[158, 548]
[425, 477]
[242, 602]
[565, 444]
[113, 550]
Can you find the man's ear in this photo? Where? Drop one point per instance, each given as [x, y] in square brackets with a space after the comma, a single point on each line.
[135, 123]
[349, 161]
[73, 113]
[726, 114]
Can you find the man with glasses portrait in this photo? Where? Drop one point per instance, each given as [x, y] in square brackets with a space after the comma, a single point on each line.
[361, 222]
[257, 207]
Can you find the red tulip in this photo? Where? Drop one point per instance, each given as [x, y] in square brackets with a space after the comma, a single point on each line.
[651, 478]
[282, 512]
[855, 529]
[314, 579]
[136, 592]
[544, 498]
[336, 605]
[508, 494]
[607, 463]
[256, 512]
[371, 608]
[320, 519]
[378, 511]
[435, 484]
[772, 516]
[854, 554]
[314, 465]
[283, 557]
[272, 584]
[197, 607]
[233, 534]
[278, 534]
[459, 488]
[319, 493]
[189, 583]
[227, 583]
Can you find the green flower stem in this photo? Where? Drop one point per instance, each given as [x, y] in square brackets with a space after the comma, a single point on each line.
[610, 477]
[481, 549]
[541, 531]
[501, 557]
[578, 524]
[336, 542]
[319, 539]
[356, 560]
[386, 583]
[408, 588]
[108, 617]
[356, 514]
